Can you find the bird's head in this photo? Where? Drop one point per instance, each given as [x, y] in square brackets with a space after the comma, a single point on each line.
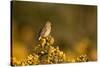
[48, 23]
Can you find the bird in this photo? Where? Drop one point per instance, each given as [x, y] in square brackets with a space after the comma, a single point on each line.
[45, 32]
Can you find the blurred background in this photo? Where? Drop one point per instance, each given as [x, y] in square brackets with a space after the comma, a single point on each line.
[74, 27]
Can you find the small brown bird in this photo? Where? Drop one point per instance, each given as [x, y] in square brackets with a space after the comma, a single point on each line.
[46, 30]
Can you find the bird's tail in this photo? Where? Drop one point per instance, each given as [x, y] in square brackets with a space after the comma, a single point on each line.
[39, 38]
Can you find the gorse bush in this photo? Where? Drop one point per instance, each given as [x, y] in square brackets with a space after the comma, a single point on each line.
[46, 53]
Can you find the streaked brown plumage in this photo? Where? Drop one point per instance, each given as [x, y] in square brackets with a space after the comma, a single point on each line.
[46, 30]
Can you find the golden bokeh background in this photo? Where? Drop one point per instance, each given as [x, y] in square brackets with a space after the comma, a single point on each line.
[74, 27]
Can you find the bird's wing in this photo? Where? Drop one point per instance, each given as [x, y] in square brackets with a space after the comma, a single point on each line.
[43, 31]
